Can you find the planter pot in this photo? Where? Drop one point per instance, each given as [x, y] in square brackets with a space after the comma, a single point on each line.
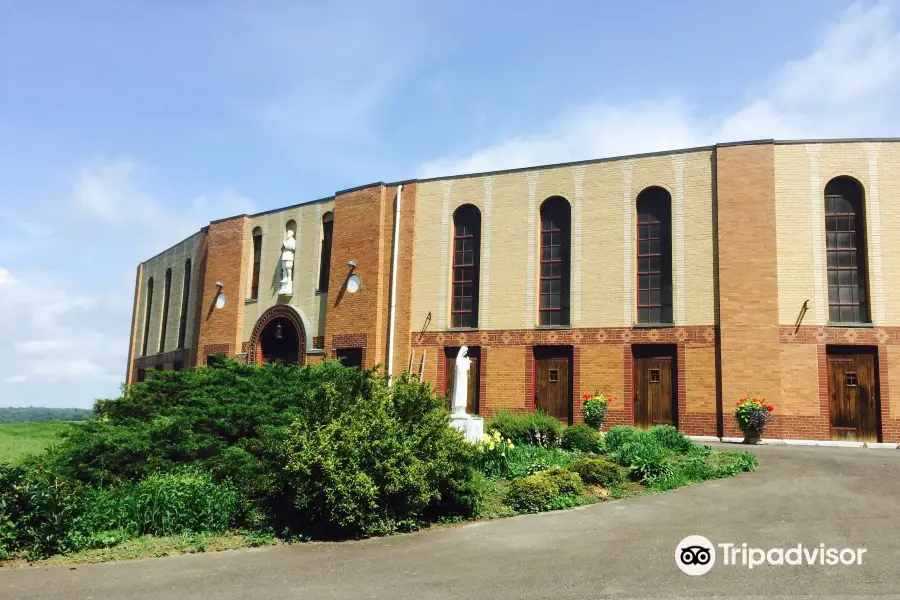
[752, 435]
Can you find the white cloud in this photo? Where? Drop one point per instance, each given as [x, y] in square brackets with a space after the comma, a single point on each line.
[849, 86]
[67, 319]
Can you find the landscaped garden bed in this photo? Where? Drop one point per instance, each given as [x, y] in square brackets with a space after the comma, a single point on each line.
[236, 455]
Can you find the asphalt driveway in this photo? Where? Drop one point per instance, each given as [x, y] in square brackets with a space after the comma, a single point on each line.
[842, 497]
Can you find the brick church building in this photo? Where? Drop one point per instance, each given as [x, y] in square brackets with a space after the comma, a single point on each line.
[675, 283]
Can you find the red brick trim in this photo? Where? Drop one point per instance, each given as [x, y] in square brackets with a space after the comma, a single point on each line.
[441, 372]
[319, 342]
[213, 349]
[681, 385]
[529, 375]
[574, 337]
[279, 311]
[244, 347]
[815, 334]
[482, 380]
[577, 394]
[628, 389]
[349, 340]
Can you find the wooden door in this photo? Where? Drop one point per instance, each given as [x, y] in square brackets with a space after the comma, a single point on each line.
[472, 399]
[654, 401]
[852, 397]
[552, 389]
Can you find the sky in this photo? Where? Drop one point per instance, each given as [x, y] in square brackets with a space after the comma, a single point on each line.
[127, 126]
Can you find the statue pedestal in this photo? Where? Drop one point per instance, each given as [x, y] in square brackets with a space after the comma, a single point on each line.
[471, 426]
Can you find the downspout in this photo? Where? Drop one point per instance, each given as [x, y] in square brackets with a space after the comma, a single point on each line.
[393, 307]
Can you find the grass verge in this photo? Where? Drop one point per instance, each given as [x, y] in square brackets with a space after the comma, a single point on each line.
[18, 440]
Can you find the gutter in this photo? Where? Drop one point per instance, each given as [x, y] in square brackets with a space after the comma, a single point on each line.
[392, 312]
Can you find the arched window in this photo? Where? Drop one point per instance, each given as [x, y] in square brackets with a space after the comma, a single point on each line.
[466, 263]
[845, 243]
[325, 251]
[654, 256]
[185, 295]
[167, 294]
[147, 310]
[556, 234]
[257, 257]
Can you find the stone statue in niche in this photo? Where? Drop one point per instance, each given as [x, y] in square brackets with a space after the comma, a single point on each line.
[461, 383]
[288, 247]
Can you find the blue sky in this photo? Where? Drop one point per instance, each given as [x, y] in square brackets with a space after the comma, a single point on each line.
[125, 126]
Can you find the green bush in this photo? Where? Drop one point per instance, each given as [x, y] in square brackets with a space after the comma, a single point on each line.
[583, 438]
[644, 456]
[701, 466]
[565, 480]
[620, 435]
[161, 505]
[386, 463]
[535, 428]
[531, 494]
[670, 438]
[598, 471]
[36, 512]
[523, 461]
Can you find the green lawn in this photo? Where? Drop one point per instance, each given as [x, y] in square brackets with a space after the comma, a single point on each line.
[20, 439]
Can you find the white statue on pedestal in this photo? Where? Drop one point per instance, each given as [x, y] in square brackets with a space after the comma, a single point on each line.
[288, 247]
[460, 383]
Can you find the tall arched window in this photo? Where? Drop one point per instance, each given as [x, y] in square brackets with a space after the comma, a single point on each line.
[325, 251]
[845, 243]
[556, 231]
[654, 256]
[167, 294]
[466, 263]
[147, 310]
[185, 295]
[257, 257]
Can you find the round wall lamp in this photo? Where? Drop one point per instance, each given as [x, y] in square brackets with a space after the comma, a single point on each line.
[353, 283]
[220, 297]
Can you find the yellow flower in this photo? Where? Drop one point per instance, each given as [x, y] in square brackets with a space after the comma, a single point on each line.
[511, 445]
[491, 446]
[479, 448]
[503, 454]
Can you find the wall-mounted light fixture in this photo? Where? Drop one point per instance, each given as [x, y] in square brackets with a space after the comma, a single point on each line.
[220, 297]
[278, 332]
[353, 280]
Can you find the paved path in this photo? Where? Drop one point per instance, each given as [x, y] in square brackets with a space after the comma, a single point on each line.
[842, 497]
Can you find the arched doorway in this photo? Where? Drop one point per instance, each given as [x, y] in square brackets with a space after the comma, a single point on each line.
[278, 336]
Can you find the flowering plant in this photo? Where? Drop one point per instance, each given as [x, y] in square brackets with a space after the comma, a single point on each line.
[492, 453]
[753, 413]
[594, 407]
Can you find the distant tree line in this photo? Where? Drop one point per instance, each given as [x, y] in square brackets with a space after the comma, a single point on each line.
[37, 413]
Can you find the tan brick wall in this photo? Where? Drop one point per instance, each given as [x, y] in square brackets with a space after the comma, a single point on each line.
[306, 300]
[509, 383]
[133, 336]
[700, 378]
[602, 196]
[173, 258]
[748, 287]
[601, 370]
[801, 173]
[799, 381]
[225, 261]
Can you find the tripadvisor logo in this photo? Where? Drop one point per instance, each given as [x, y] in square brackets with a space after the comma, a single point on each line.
[696, 555]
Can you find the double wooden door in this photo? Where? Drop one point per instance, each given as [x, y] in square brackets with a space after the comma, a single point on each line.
[654, 387]
[552, 382]
[852, 396]
[474, 354]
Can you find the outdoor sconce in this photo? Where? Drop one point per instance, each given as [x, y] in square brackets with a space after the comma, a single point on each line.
[278, 333]
[220, 297]
[353, 280]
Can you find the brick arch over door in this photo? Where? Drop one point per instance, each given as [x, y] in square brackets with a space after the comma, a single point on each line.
[280, 311]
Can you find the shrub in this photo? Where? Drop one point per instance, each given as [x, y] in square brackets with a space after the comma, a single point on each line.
[36, 512]
[594, 408]
[389, 462]
[536, 428]
[565, 480]
[527, 460]
[532, 494]
[161, 505]
[644, 456]
[583, 438]
[670, 438]
[598, 471]
[701, 466]
[620, 435]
